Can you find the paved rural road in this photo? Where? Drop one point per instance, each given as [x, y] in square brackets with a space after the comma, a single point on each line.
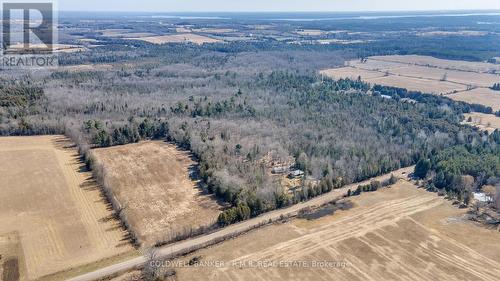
[186, 246]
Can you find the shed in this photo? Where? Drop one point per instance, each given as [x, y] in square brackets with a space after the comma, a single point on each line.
[296, 174]
[279, 170]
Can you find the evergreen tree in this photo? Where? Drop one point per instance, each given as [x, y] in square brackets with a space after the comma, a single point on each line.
[422, 168]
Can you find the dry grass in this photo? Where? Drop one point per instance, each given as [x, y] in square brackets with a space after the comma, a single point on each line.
[123, 33]
[482, 96]
[487, 122]
[311, 32]
[183, 29]
[178, 38]
[396, 233]
[376, 65]
[453, 33]
[152, 183]
[214, 30]
[428, 75]
[53, 205]
[416, 84]
[351, 73]
[461, 77]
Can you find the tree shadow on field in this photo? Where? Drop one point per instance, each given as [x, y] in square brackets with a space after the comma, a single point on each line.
[63, 143]
[114, 228]
[90, 184]
[194, 175]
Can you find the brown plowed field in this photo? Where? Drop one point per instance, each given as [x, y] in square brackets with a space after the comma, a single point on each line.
[400, 233]
[151, 180]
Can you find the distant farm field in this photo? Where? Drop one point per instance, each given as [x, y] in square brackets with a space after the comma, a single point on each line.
[428, 75]
[389, 234]
[121, 33]
[416, 84]
[151, 180]
[451, 76]
[481, 67]
[482, 96]
[352, 73]
[488, 122]
[52, 215]
[214, 30]
[178, 38]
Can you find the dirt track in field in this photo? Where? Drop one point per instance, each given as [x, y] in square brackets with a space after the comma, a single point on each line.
[53, 207]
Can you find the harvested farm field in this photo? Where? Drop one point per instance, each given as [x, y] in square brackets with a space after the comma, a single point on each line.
[393, 233]
[52, 217]
[417, 84]
[464, 81]
[453, 76]
[480, 67]
[482, 96]
[214, 30]
[151, 181]
[178, 38]
[351, 73]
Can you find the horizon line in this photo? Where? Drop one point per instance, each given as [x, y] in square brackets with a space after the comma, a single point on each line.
[312, 11]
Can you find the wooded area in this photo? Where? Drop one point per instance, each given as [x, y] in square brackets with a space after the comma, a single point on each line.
[244, 108]
[233, 111]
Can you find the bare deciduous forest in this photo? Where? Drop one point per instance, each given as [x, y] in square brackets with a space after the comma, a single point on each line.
[241, 108]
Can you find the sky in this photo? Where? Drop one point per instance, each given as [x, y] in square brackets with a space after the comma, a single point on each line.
[274, 5]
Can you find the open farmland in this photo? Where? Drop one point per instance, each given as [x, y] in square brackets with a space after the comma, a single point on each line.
[482, 96]
[352, 73]
[122, 33]
[401, 231]
[480, 67]
[178, 38]
[458, 77]
[151, 180]
[416, 84]
[462, 81]
[52, 215]
[214, 30]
